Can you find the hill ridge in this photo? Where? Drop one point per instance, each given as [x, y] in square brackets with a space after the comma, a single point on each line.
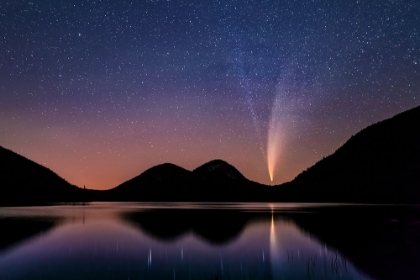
[372, 164]
[23, 181]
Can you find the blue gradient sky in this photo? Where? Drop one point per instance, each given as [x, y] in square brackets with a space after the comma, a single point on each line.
[99, 91]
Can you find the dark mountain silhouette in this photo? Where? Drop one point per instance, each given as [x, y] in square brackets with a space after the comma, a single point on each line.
[163, 181]
[381, 163]
[24, 182]
[219, 171]
[214, 181]
[217, 180]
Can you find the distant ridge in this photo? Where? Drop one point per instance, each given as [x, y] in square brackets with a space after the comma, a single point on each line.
[216, 180]
[218, 169]
[381, 163]
[24, 182]
[162, 181]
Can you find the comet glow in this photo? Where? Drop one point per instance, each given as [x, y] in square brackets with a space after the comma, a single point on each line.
[274, 143]
[286, 110]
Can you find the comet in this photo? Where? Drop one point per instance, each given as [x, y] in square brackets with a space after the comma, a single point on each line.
[274, 146]
[277, 129]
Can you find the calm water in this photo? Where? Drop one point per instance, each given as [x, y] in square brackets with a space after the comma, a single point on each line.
[199, 241]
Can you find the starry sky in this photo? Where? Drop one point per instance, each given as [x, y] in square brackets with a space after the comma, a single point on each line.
[99, 91]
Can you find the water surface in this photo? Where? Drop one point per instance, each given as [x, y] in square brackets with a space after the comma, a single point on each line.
[194, 241]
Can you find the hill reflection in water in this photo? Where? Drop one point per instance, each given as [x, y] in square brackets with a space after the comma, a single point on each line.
[178, 241]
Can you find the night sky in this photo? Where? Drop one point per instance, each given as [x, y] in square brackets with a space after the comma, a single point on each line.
[99, 91]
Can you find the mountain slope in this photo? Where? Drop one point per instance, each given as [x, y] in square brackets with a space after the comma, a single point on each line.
[161, 182]
[381, 163]
[24, 182]
[219, 171]
[217, 180]
[214, 181]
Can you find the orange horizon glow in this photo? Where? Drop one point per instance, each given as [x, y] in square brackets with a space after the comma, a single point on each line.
[109, 154]
[110, 163]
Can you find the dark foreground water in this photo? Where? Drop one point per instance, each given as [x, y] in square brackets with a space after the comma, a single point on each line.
[209, 241]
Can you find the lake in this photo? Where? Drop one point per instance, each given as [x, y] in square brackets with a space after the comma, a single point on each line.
[209, 241]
